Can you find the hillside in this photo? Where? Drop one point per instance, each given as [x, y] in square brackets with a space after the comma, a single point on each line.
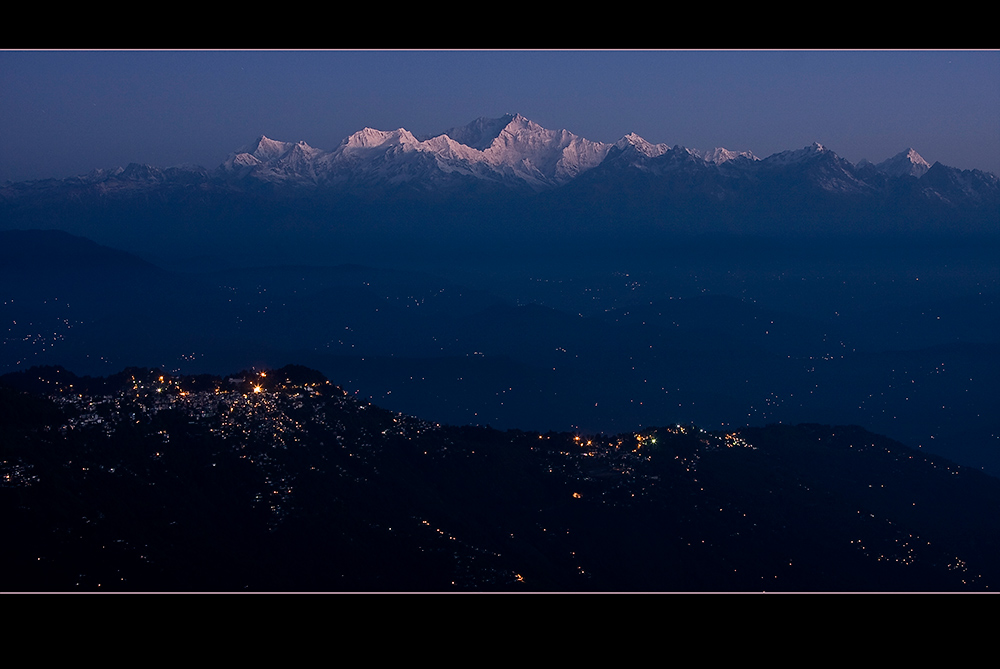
[278, 480]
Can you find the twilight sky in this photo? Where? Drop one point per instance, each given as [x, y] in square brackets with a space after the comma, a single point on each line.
[64, 113]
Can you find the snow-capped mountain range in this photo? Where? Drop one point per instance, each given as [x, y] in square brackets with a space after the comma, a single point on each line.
[510, 149]
[516, 152]
[533, 173]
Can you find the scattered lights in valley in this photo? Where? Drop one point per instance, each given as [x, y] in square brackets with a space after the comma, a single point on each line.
[266, 421]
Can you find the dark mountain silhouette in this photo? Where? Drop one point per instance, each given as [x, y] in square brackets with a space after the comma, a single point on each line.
[271, 480]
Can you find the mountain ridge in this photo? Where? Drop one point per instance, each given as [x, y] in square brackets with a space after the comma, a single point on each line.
[505, 142]
[511, 143]
[510, 172]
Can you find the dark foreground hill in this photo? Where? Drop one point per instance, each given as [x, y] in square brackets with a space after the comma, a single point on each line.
[278, 480]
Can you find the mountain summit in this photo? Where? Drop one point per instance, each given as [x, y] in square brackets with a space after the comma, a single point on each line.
[908, 162]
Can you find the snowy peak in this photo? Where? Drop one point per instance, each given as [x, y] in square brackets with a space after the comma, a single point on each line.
[483, 133]
[520, 123]
[548, 157]
[906, 163]
[269, 159]
[514, 148]
[264, 150]
[240, 160]
[633, 142]
[634, 145]
[719, 155]
[268, 149]
[370, 138]
[799, 155]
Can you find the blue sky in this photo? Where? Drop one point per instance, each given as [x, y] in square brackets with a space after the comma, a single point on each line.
[67, 112]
